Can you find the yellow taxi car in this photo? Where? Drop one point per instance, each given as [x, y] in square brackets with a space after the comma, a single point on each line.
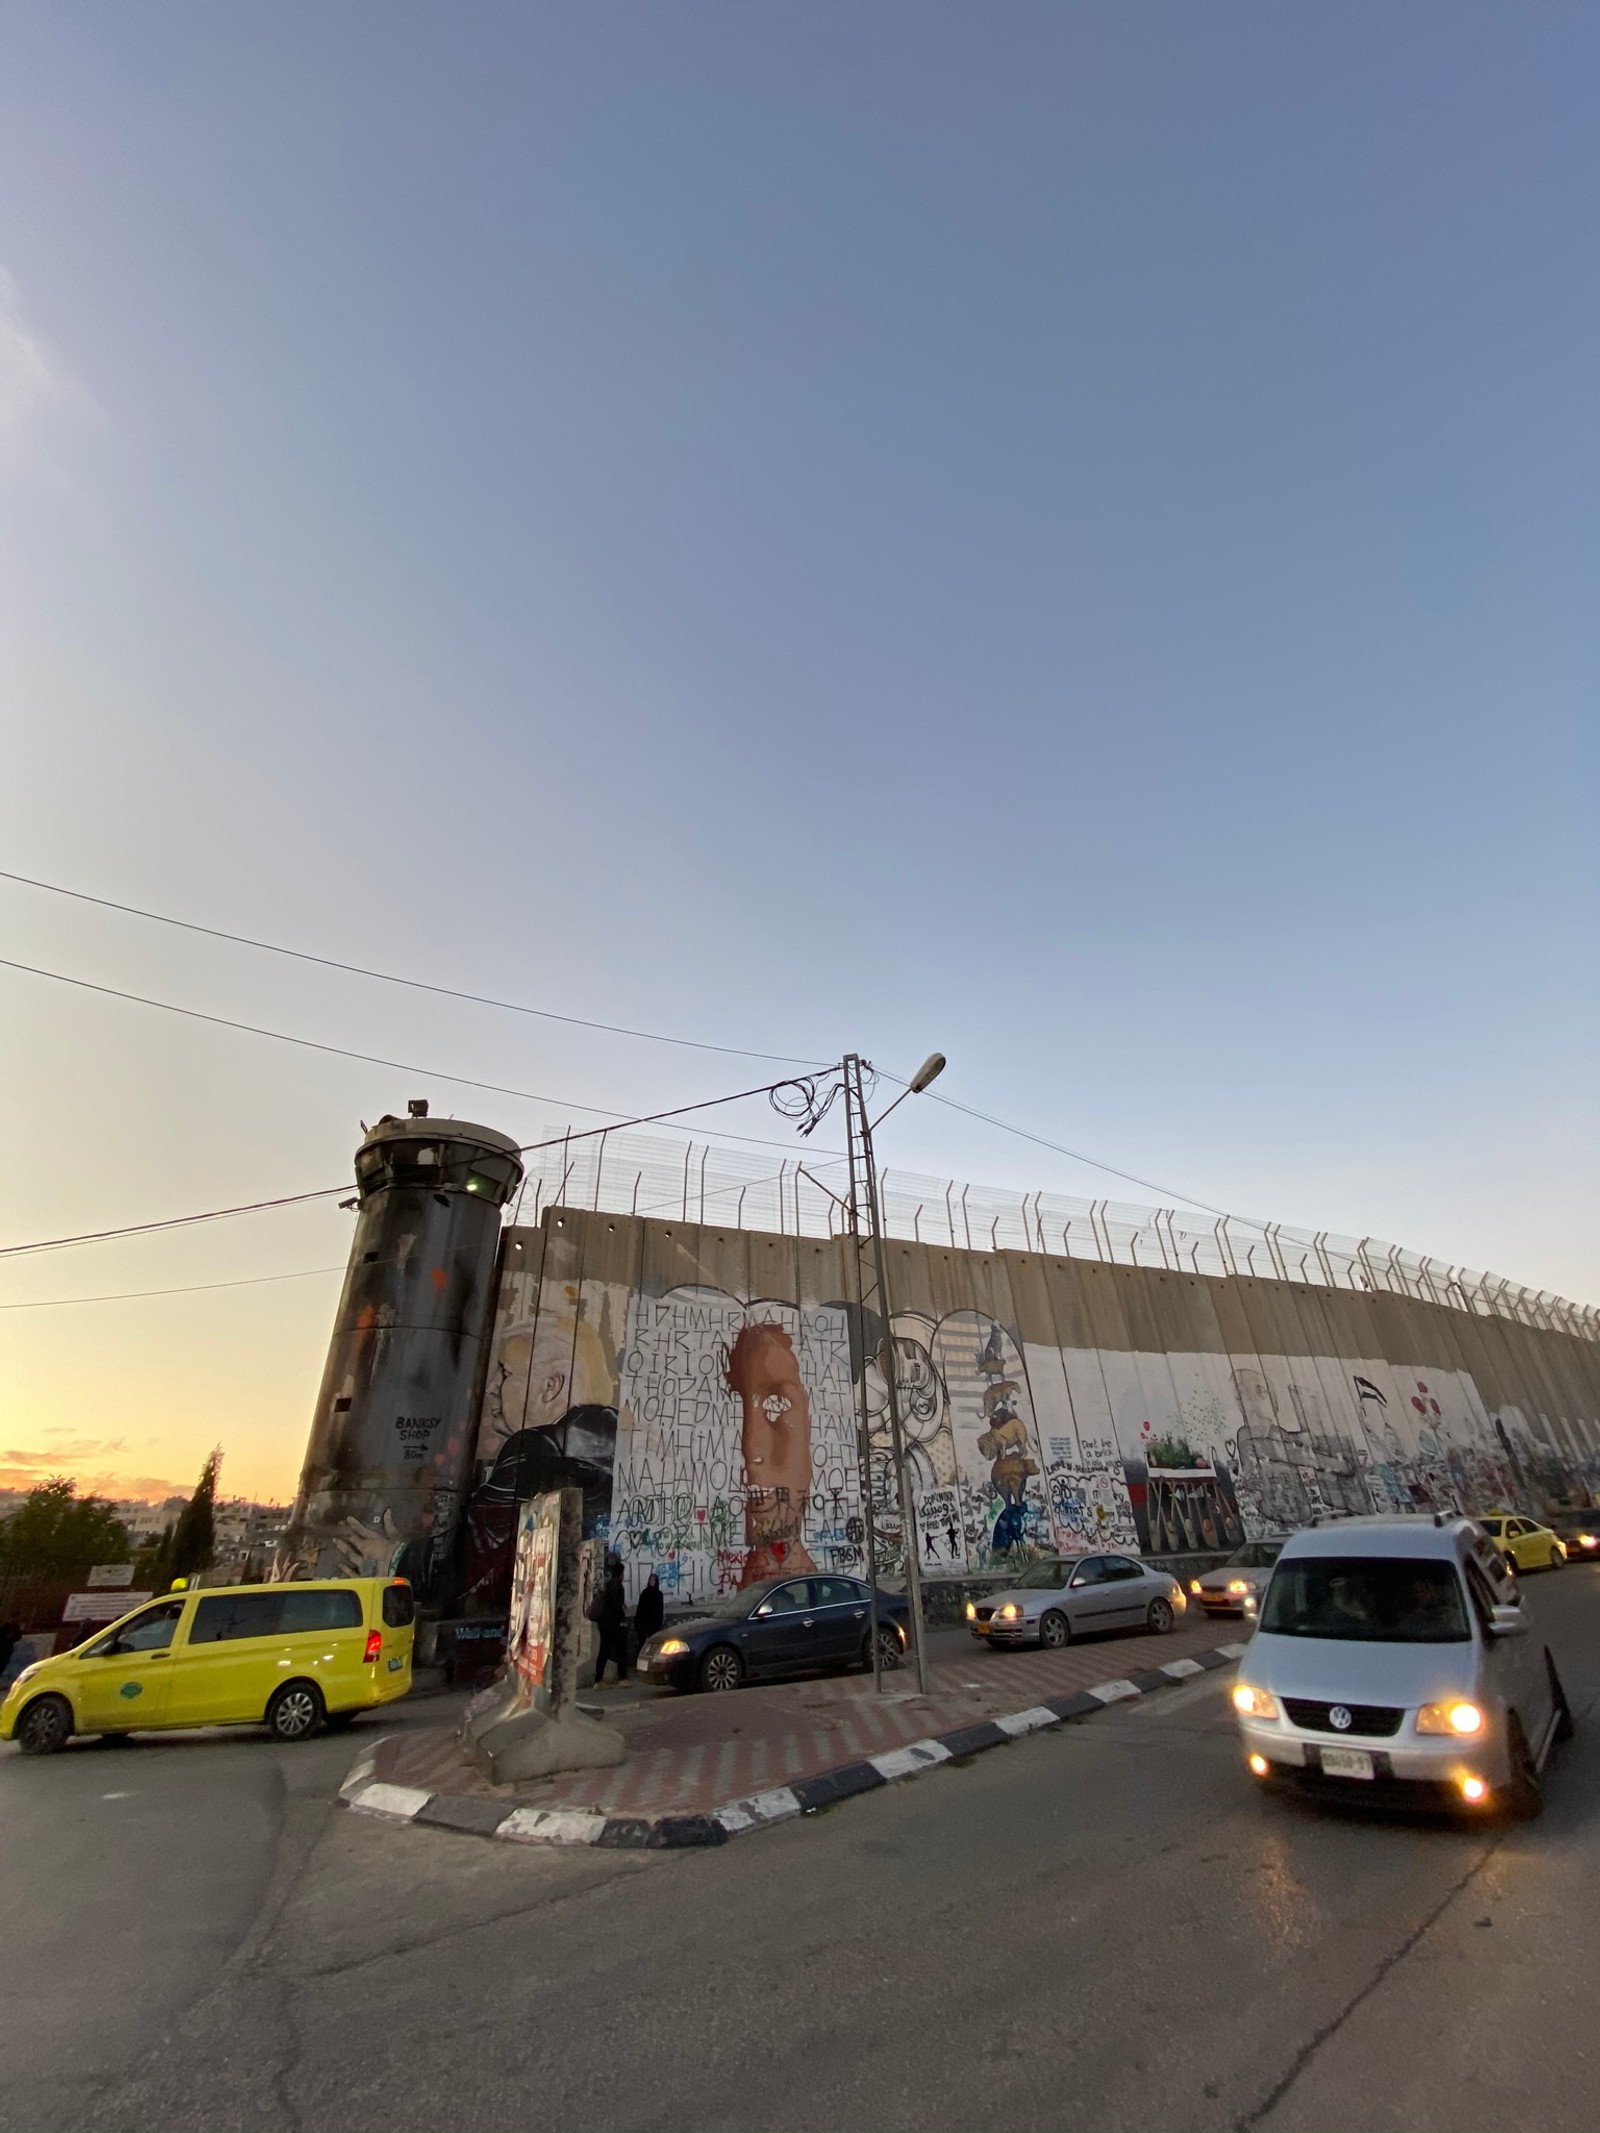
[1525, 1544]
[290, 1657]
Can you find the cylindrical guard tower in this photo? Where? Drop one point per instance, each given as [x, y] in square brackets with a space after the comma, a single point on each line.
[391, 1437]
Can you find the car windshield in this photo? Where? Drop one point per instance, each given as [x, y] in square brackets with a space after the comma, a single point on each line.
[1367, 1600]
[1044, 1577]
[1255, 1555]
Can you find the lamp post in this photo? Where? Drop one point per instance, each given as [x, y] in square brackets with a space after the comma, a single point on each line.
[809, 1101]
[873, 1300]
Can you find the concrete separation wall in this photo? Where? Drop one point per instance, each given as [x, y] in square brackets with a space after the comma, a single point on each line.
[700, 1385]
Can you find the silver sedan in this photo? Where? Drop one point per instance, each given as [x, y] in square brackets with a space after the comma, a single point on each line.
[1063, 1597]
[1241, 1580]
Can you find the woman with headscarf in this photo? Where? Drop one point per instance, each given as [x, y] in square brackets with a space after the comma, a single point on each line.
[650, 1612]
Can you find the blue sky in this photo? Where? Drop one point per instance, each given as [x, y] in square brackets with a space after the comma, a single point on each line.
[1065, 533]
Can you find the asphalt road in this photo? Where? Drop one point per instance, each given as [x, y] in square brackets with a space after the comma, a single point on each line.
[1103, 1927]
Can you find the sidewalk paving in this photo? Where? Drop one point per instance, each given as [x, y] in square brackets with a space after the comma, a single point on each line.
[700, 1768]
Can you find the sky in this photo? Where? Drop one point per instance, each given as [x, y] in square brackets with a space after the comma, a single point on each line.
[1065, 533]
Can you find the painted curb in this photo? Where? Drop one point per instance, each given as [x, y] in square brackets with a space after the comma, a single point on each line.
[477, 1817]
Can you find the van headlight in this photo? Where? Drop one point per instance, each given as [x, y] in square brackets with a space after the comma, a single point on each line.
[1254, 1703]
[1458, 1717]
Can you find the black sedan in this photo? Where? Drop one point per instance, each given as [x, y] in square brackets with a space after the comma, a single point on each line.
[784, 1626]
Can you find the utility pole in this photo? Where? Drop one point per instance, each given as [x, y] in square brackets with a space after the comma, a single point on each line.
[873, 1301]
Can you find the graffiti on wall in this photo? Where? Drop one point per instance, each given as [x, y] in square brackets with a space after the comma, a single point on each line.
[714, 1439]
[736, 1444]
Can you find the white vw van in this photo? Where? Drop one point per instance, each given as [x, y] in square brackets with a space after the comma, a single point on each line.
[1392, 1662]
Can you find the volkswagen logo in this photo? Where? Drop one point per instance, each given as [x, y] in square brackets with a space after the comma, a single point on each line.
[1340, 1716]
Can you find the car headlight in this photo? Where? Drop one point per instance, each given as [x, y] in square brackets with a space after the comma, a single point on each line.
[27, 1674]
[972, 1611]
[1194, 1584]
[671, 1648]
[1254, 1703]
[1010, 1611]
[1589, 1540]
[1238, 1584]
[1459, 1717]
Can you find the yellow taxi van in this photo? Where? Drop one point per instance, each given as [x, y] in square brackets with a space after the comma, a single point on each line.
[292, 1657]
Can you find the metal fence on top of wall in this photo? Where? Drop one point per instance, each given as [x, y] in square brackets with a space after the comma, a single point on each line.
[628, 1172]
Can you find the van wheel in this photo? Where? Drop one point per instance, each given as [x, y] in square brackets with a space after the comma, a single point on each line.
[1524, 1795]
[295, 1711]
[45, 1726]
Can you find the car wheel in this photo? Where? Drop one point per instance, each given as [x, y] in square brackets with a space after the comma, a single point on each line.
[296, 1711]
[721, 1669]
[45, 1726]
[1558, 1555]
[1565, 1726]
[889, 1650]
[1054, 1631]
[1160, 1617]
[1524, 1795]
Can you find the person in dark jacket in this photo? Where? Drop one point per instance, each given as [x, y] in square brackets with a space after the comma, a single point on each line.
[651, 1611]
[613, 1621]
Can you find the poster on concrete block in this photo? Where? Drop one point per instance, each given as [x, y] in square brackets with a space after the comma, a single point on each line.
[531, 1636]
[941, 1544]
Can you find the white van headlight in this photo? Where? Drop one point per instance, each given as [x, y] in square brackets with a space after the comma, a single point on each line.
[1458, 1717]
[1254, 1703]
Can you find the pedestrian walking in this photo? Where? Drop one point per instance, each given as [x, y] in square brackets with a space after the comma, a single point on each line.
[613, 1620]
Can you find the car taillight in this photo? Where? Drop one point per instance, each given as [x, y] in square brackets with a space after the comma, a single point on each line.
[374, 1645]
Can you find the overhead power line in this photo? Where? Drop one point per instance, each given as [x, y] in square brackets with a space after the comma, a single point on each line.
[188, 1288]
[517, 1007]
[388, 977]
[328, 1192]
[1169, 1192]
[342, 1051]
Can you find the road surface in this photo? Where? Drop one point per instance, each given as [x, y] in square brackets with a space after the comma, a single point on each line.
[1102, 1927]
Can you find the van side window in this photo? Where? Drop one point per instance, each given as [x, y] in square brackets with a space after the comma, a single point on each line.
[236, 1614]
[399, 1607]
[319, 1610]
[150, 1632]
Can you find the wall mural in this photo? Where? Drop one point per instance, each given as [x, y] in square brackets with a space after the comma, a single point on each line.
[714, 1438]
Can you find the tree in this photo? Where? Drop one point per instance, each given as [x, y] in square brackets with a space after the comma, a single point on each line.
[191, 1543]
[58, 1533]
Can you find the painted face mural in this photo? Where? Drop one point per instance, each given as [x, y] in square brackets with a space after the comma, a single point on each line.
[775, 1439]
[548, 1423]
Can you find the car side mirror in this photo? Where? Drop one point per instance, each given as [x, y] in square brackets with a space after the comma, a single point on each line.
[1508, 1622]
[764, 1609]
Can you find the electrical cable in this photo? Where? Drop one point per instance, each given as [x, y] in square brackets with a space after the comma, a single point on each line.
[190, 1288]
[341, 1051]
[328, 1192]
[387, 977]
[516, 1007]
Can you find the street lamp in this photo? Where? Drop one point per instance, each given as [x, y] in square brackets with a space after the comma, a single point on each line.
[873, 1297]
[809, 1101]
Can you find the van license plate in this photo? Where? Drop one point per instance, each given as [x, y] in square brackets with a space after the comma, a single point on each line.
[1346, 1763]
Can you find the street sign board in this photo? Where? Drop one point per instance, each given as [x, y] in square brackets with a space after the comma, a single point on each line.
[102, 1606]
[111, 1574]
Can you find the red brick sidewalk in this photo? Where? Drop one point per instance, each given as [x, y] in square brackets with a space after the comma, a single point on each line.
[692, 1754]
